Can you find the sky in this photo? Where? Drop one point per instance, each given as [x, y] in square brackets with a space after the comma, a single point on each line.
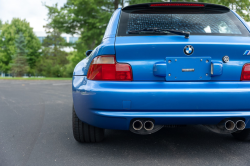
[31, 10]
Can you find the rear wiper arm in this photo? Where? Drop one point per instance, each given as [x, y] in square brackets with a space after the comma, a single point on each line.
[186, 34]
[156, 30]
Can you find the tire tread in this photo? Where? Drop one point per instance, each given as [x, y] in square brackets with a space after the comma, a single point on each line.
[84, 132]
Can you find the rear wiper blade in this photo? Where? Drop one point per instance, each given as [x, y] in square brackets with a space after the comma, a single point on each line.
[146, 31]
[160, 31]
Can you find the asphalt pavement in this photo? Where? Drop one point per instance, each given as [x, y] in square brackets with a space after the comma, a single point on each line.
[35, 130]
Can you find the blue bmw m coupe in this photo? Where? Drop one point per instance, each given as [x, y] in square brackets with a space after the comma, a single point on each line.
[165, 65]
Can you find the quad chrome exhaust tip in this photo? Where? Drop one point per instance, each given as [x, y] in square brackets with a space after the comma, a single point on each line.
[148, 125]
[229, 125]
[240, 125]
[137, 125]
[144, 126]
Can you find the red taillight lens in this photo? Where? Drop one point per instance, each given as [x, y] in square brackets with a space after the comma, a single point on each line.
[245, 75]
[177, 5]
[105, 68]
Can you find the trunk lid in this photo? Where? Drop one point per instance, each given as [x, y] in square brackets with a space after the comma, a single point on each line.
[142, 52]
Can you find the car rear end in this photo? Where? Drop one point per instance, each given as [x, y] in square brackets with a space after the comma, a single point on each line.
[148, 73]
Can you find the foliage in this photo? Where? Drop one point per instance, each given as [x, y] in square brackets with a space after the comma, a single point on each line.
[53, 38]
[49, 66]
[10, 32]
[53, 60]
[74, 58]
[20, 65]
[86, 17]
[1, 24]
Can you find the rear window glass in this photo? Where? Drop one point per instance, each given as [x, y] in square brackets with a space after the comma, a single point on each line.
[195, 22]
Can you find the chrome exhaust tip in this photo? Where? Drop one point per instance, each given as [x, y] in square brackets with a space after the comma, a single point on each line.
[240, 125]
[137, 125]
[148, 125]
[229, 125]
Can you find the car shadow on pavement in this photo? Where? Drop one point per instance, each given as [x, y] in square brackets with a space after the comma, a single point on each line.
[192, 144]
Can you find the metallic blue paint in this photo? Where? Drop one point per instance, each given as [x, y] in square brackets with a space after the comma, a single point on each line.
[160, 69]
[112, 105]
[126, 105]
[101, 103]
[112, 26]
[142, 52]
[217, 68]
[200, 66]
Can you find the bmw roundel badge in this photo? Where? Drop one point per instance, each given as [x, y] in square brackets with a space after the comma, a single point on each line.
[189, 50]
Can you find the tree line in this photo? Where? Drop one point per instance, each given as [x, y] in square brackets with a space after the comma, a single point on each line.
[21, 52]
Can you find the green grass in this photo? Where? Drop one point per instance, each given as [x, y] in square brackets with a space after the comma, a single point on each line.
[34, 78]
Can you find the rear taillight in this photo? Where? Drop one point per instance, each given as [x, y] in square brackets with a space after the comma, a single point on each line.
[245, 75]
[177, 5]
[105, 68]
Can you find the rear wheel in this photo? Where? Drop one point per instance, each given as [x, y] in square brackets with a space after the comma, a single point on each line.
[85, 133]
[243, 135]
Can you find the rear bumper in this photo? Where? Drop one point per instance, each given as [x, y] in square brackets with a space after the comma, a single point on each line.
[112, 105]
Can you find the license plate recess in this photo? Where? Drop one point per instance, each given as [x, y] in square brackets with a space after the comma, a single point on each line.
[188, 68]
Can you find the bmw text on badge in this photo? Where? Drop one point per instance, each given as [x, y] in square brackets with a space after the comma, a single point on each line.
[166, 64]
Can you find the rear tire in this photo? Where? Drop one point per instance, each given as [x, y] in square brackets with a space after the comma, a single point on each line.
[243, 135]
[85, 133]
